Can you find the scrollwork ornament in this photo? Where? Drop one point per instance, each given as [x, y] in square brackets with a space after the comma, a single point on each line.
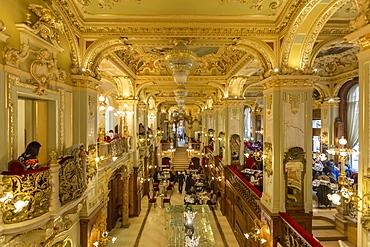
[363, 17]
[47, 26]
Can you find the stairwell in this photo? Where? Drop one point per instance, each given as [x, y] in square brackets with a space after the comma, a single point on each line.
[323, 229]
[180, 161]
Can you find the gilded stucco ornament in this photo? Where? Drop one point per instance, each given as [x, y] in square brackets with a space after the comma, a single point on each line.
[42, 70]
[363, 17]
[47, 26]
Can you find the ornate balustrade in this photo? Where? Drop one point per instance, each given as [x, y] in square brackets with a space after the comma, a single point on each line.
[166, 145]
[246, 190]
[25, 194]
[294, 235]
[117, 147]
[72, 176]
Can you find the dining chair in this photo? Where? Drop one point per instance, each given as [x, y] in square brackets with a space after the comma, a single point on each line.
[152, 200]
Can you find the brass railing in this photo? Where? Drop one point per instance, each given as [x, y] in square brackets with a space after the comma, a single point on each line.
[25, 196]
[72, 177]
[294, 235]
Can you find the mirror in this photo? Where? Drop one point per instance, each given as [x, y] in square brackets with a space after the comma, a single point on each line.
[294, 171]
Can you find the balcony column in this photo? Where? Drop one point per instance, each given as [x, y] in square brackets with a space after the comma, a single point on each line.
[54, 175]
[287, 126]
[362, 37]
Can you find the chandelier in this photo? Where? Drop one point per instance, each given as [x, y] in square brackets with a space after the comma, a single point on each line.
[180, 60]
[180, 96]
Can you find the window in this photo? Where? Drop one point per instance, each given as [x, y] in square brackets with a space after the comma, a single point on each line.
[352, 123]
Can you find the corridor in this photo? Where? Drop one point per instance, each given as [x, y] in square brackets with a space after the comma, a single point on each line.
[150, 229]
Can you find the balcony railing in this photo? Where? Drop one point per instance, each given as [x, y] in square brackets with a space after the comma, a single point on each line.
[72, 177]
[247, 191]
[25, 194]
[294, 235]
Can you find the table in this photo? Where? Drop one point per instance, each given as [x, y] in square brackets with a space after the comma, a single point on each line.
[202, 226]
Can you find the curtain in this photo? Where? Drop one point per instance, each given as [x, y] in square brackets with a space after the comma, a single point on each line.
[353, 116]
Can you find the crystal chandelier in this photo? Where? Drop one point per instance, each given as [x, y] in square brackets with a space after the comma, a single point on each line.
[180, 96]
[180, 60]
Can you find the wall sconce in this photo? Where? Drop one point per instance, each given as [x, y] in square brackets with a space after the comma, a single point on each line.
[255, 233]
[104, 239]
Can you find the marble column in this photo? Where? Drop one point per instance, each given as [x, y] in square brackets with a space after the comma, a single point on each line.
[85, 109]
[362, 37]
[287, 119]
[329, 111]
[125, 203]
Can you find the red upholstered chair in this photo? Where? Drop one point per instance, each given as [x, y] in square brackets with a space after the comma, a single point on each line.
[152, 200]
[17, 168]
[254, 167]
[167, 200]
[156, 190]
[169, 189]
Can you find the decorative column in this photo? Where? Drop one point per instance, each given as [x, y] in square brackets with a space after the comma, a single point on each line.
[85, 109]
[362, 37]
[329, 112]
[234, 125]
[288, 136]
[54, 175]
[125, 203]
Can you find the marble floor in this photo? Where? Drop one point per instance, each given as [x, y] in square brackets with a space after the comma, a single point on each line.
[150, 229]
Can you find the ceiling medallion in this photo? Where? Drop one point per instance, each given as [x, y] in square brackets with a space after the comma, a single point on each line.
[180, 60]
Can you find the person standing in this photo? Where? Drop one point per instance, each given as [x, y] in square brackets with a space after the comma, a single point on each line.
[181, 180]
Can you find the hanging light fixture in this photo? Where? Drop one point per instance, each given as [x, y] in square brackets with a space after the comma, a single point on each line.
[180, 60]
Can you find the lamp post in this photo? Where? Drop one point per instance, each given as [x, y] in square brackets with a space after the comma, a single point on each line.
[343, 181]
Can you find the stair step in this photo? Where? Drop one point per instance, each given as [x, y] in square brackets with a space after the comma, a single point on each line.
[328, 235]
[335, 244]
[318, 224]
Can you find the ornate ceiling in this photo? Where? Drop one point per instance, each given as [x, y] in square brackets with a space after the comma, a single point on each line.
[236, 43]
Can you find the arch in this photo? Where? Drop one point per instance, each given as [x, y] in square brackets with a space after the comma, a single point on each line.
[260, 50]
[323, 89]
[295, 54]
[99, 50]
[322, 46]
[309, 41]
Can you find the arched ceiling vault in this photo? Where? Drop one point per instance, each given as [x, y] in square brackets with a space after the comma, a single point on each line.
[124, 44]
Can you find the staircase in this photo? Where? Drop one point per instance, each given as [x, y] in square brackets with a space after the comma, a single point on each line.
[323, 229]
[180, 160]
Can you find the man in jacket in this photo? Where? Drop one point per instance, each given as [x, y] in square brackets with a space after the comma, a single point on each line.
[181, 180]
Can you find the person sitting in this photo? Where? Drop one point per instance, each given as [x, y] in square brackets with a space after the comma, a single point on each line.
[191, 191]
[212, 198]
[29, 157]
[193, 194]
[255, 178]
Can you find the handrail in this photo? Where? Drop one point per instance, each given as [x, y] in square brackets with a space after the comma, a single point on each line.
[255, 190]
[305, 237]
